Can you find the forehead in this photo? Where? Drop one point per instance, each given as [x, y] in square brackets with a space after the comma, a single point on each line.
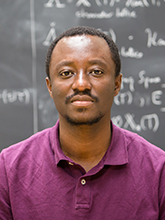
[80, 44]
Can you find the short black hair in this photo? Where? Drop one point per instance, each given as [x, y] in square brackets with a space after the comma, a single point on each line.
[84, 30]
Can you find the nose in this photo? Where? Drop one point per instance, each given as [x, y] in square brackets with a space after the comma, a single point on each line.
[81, 82]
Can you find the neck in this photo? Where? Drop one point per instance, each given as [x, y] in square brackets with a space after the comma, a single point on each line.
[86, 144]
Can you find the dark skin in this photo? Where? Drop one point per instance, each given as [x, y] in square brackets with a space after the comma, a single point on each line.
[80, 64]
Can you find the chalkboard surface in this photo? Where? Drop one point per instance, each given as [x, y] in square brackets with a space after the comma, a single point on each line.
[28, 27]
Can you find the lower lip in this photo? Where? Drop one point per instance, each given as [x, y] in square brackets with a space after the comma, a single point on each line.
[82, 103]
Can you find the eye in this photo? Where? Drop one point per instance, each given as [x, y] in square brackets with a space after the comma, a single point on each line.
[96, 72]
[66, 74]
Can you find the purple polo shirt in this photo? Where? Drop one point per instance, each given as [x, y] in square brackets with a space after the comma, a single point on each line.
[37, 181]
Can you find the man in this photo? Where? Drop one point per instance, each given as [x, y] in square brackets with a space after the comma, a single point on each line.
[84, 167]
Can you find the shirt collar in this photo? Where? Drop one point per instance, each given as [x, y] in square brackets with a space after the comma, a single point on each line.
[55, 144]
[116, 154]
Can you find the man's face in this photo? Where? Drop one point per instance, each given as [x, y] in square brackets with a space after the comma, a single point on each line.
[82, 79]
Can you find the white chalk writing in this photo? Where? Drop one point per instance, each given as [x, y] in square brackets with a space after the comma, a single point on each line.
[110, 32]
[105, 2]
[131, 52]
[147, 80]
[162, 109]
[135, 3]
[154, 2]
[130, 122]
[138, 99]
[125, 13]
[111, 3]
[142, 99]
[152, 39]
[83, 14]
[156, 95]
[84, 2]
[147, 122]
[150, 121]
[51, 35]
[122, 98]
[130, 81]
[12, 96]
[51, 3]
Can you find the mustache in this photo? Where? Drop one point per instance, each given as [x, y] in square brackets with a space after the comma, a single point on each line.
[85, 92]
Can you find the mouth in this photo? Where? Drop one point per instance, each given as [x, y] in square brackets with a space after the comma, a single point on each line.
[82, 103]
[82, 100]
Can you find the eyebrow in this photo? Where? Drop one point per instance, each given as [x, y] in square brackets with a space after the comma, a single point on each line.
[91, 62]
[97, 61]
[68, 63]
[64, 63]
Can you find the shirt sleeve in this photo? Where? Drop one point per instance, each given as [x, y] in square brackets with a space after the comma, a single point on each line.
[162, 195]
[5, 208]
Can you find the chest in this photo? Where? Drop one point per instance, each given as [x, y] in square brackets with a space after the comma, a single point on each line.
[65, 193]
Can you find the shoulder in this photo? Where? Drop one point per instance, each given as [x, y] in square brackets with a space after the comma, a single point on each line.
[138, 147]
[27, 150]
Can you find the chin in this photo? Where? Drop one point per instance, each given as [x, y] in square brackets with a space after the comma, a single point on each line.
[80, 122]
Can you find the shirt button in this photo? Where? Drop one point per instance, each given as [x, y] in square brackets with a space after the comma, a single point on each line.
[83, 181]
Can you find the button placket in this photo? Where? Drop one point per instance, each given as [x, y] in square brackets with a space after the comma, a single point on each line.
[83, 194]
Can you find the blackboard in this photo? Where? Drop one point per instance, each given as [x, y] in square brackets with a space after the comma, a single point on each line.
[26, 29]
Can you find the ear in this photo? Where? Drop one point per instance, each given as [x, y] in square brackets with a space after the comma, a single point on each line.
[49, 86]
[118, 81]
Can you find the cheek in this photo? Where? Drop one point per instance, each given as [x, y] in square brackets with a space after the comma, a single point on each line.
[107, 94]
[57, 90]
[59, 94]
[107, 89]
[56, 94]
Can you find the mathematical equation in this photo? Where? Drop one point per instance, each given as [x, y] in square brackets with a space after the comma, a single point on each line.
[118, 12]
[12, 96]
[100, 3]
[147, 122]
[130, 96]
[152, 40]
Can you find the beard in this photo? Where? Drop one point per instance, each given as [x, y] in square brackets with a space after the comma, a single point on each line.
[81, 122]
